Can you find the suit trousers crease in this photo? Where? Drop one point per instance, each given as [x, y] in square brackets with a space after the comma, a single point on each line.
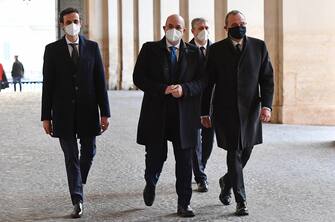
[77, 167]
[155, 157]
[202, 153]
[236, 161]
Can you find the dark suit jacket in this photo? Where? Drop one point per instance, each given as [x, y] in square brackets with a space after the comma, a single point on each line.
[243, 82]
[209, 43]
[151, 75]
[205, 96]
[72, 95]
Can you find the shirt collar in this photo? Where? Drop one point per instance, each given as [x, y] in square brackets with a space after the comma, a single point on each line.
[199, 46]
[169, 45]
[237, 42]
[69, 42]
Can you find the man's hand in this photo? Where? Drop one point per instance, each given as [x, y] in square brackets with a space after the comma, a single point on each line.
[206, 121]
[170, 89]
[104, 123]
[47, 126]
[177, 91]
[265, 114]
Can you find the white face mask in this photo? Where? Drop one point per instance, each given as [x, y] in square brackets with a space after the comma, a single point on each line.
[72, 29]
[173, 35]
[202, 36]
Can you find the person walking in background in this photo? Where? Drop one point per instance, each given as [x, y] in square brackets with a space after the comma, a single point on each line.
[240, 68]
[205, 145]
[169, 72]
[17, 72]
[1, 75]
[74, 93]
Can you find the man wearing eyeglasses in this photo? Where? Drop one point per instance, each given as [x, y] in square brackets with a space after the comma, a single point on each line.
[240, 68]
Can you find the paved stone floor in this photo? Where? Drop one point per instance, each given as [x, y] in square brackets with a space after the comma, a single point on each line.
[291, 177]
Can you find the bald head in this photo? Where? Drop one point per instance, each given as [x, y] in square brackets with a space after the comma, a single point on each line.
[175, 19]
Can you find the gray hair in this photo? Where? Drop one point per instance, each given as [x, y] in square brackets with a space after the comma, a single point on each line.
[196, 20]
[233, 12]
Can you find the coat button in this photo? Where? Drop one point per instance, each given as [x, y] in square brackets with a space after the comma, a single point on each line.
[72, 101]
[76, 88]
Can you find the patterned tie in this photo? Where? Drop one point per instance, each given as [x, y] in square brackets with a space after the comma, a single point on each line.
[75, 54]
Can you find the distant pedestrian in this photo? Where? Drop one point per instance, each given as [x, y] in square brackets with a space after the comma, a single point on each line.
[1, 75]
[17, 72]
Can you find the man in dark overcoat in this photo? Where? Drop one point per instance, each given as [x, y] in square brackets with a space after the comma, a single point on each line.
[169, 72]
[74, 101]
[240, 68]
[203, 150]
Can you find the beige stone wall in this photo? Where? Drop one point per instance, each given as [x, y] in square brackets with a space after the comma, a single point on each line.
[306, 62]
[301, 44]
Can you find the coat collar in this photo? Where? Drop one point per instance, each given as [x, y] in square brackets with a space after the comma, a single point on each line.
[209, 42]
[65, 50]
[182, 62]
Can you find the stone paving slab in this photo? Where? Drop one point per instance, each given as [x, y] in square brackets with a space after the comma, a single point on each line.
[291, 177]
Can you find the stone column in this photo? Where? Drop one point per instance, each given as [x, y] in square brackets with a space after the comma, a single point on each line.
[127, 43]
[157, 19]
[136, 28]
[273, 36]
[184, 12]
[302, 49]
[97, 28]
[220, 11]
[115, 40]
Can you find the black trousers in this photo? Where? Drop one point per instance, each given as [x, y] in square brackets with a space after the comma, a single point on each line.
[202, 153]
[77, 168]
[236, 161]
[154, 160]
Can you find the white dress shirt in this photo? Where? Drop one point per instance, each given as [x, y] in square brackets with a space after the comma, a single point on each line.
[176, 46]
[68, 42]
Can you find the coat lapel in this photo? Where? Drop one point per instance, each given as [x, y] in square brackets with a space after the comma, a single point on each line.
[164, 59]
[245, 48]
[82, 48]
[65, 51]
[182, 62]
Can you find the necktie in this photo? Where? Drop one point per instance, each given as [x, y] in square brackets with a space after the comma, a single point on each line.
[238, 48]
[203, 51]
[173, 60]
[173, 56]
[75, 54]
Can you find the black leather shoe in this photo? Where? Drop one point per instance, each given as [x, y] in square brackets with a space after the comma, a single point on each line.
[77, 210]
[186, 211]
[225, 194]
[241, 209]
[202, 186]
[149, 195]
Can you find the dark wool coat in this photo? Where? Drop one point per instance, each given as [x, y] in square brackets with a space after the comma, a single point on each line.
[243, 83]
[73, 95]
[151, 75]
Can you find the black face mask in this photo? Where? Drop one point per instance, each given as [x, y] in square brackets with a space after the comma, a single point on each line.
[237, 32]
